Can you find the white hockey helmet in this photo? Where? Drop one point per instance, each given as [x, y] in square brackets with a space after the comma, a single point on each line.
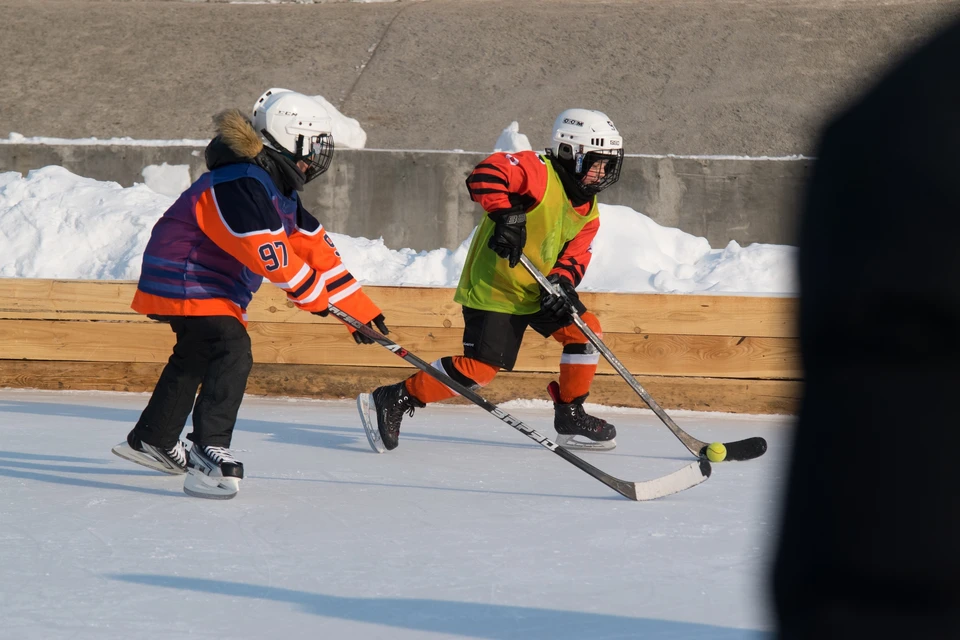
[581, 138]
[297, 126]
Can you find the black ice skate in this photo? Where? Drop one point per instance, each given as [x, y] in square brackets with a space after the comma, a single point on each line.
[381, 413]
[172, 461]
[212, 472]
[576, 429]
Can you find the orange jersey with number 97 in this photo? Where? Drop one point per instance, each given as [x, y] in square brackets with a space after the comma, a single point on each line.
[212, 248]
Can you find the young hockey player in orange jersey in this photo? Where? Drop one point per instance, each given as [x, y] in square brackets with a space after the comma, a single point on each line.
[239, 223]
[546, 207]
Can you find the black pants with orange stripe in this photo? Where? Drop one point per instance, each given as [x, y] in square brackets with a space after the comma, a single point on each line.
[213, 354]
[491, 342]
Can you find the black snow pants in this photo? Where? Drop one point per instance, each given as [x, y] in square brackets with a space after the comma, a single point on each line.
[212, 353]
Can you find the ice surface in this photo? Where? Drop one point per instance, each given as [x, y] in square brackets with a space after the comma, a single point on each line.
[467, 530]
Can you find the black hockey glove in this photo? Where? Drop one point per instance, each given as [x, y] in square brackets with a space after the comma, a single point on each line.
[509, 235]
[362, 339]
[556, 308]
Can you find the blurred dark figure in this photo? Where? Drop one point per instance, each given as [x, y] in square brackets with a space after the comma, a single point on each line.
[870, 544]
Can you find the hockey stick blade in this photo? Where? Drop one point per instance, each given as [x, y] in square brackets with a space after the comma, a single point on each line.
[736, 451]
[689, 476]
[680, 480]
[741, 450]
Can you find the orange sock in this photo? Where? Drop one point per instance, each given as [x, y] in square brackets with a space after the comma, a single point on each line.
[578, 364]
[471, 373]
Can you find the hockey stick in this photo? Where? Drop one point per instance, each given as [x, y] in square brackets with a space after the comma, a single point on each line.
[747, 449]
[684, 478]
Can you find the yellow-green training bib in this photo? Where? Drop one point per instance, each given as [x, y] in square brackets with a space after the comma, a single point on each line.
[487, 281]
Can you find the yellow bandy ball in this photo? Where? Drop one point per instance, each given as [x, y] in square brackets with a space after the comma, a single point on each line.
[716, 452]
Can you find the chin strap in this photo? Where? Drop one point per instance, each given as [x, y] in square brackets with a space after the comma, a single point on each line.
[285, 173]
[571, 185]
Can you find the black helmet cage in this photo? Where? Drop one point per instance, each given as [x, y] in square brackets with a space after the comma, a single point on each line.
[318, 156]
[612, 163]
[581, 163]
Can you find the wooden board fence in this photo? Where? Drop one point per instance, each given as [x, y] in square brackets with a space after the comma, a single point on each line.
[722, 353]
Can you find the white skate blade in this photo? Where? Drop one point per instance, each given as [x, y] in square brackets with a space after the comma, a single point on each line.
[368, 416]
[199, 485]
[578, 443]
[124, 451]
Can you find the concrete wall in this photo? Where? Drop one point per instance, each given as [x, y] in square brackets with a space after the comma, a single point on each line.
[690, 77]
[417, 199]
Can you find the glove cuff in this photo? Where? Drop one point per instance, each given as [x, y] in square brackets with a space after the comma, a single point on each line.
[509, 217]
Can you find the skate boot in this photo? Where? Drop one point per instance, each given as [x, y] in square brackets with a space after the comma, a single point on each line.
[381, 413]
[212, 472]
[172, 461]
[576, 429]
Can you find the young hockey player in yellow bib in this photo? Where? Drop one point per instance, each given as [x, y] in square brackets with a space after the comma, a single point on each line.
[544, 206]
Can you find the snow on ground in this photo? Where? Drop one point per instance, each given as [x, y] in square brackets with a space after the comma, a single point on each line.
[106, 228]
[511, 140]
[467, 530]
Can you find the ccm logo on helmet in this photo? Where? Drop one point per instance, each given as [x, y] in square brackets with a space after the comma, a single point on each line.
[286, 113]
[578, 123]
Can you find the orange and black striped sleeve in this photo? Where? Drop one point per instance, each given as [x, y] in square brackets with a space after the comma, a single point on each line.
[508, 182]
[575, 256]
[312, 242]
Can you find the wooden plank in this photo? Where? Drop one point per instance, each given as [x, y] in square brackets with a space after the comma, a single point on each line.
[90, 341]
[426, 307]
[618, 313]
[681, 314]
[108, 299]
[402, 306]
[324, 381]
[703, 356]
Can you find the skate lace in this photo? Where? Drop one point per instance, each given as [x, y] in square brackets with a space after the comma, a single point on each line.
[219, 454]
[396, 414]
[592, 423]
[178, 454]
[408, 404]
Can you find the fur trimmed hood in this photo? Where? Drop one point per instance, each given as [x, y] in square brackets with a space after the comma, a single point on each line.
[237, 141]
[237, 132]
